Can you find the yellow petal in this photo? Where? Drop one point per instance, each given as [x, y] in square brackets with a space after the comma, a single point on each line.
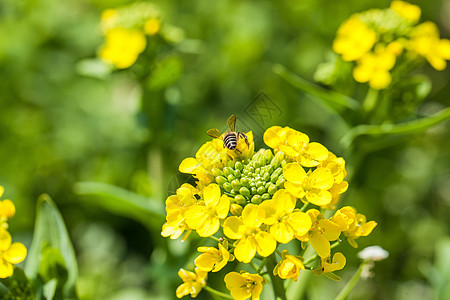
[211, 195]
[367, 228]
[300, 222]
[234, 279]
[321, 178]
[186, 275]
[2, 190]
[223, 207]
[318, 197]
[210, 226]
[234, 228]
[380, 80]
[188, 165]
[330, 230]
[205, 262]
[271, 137]
[5, 240]
[6, 269]
[294, 189]
[16, 253]
[250, 216]
[265, 243]
[284, 202]
[267, 211]
[294, 173]
[7, 208]
[317, 151]
[288, 150]
[245, 250]
[320, 244]
[195, 216]
[282, 233]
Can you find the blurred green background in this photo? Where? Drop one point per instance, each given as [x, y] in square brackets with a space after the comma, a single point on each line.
[64, 128]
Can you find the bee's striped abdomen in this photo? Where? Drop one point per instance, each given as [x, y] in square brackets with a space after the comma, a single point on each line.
[230, 140]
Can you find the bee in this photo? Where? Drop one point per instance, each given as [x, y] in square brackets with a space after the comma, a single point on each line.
[230, 138]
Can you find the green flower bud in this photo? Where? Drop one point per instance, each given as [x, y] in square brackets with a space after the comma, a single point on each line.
[267, 184]
[275, 162]
[237, 173]
[240, 200]
[236, 184]
[268, 156]
[245, 172]
[266, 176]
[231, 177]
[265, 196]
[261, 190]
[244, 191]
[216, 172]
[269, 169]
[256, 199]
[253, 190]
[230, 164]
[272, 189]
[239, 166]
[245, 181]
[233, 192]
[251, 169]
[228, 171]
[220, 180]
[280, 183]
[281, 155]
[283, 163]
[227, 187]
[236, 209]
[259, 184]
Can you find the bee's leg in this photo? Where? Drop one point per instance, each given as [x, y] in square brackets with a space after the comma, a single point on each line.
[238, 150]
[243, 136]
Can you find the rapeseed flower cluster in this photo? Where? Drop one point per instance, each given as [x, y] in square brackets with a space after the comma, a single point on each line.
[379, 39]
[252, 202]
[125, 31]
[10, 253]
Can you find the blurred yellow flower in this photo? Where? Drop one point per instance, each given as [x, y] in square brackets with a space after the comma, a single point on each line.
[284, 222]
[192, 282]
[321, 233]
[289, 266]
[352, 224]
[213, 259]
[152, 26]
[122, 46]
[313, 186]
[176, 207]
[245, 285]
[205, 216]
[406, 10]
[354, 39]
[425, 41]
[374, 68]
[10, 253]
[250, 238]
[7, 209]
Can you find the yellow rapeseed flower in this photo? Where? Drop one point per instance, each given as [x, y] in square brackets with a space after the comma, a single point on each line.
[284, 222]
[295, 144]
[10, 253]
[374, 68]
[352, 224]
[313, 186]
[354, 39]
[122, 46]
[245, 285]
[336, 264]
[7, 210]
[406, 10]
[176, 207]
[321, 233]
[213, 259]
[192, 282]
[205, 216]
[289, 266]
[152, 26]
[248, 235]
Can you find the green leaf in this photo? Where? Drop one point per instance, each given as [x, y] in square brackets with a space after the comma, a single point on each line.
[50, 237]
[166, 72]
[122, 202]
[329, 97]
[411, 127]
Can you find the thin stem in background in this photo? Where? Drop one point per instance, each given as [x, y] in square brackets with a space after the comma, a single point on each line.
[216, 292]
[351, 283]
[277, 282]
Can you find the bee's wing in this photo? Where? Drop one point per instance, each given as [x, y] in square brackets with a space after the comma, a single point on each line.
[214, 133]
[232, 122]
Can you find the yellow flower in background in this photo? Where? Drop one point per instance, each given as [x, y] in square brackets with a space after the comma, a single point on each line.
[313, 186]
[336, 165]
[192, 282]
[7, 209]
[321, 233]
[283, 221]
[122, 47]
[210, 155]
[352, 224]
[250, 238]
[10, 253]
[354, 39]
[295, 144]
[374, 68]
[406, 10]
[176, 207]
[108, 18]
[245, 285]
[205, 218]
[152, 26]
[213, 259]
[289, 266]
[425, 41]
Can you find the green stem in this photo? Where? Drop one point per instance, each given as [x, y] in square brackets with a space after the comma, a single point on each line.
[216, 292]
[304, 206]
[263, 263]
[214, 239]
[371, 100]
[278, 252]
[277, 282]
[252, 264]
[351, 284]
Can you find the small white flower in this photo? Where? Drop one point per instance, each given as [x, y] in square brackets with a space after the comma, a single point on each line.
[373, 253]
